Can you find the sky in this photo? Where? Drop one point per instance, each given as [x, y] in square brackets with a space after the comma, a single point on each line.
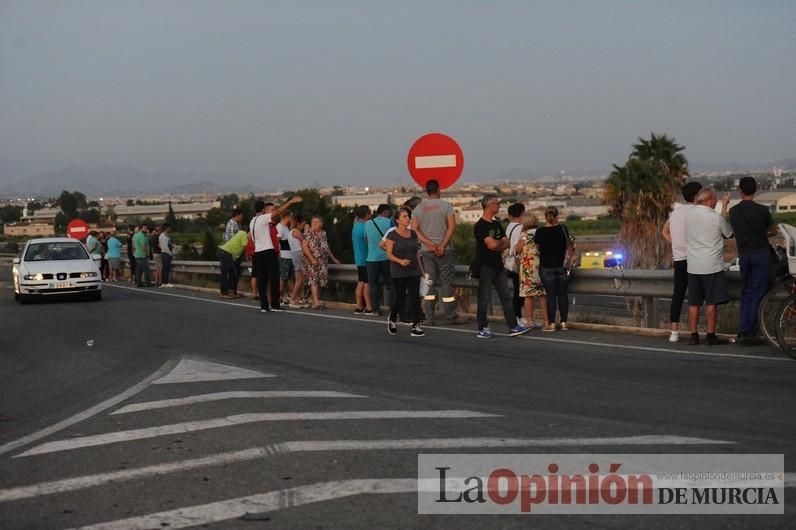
[301, 92]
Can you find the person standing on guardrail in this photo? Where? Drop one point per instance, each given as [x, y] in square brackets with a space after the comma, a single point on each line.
[706, 231]
[674, 233]
[753, 224]
[434, 222]
[266, 252]
[490, 242]
[377, 263]
[360, 244]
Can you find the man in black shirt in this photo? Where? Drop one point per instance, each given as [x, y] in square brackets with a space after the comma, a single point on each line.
[490, 241]
[753, 225]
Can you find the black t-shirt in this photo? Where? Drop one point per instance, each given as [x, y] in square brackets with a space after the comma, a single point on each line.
[750, 222]
[486, 257]
[552, 243]
[404, 248]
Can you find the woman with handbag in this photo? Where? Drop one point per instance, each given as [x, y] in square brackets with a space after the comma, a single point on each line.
[555, 243]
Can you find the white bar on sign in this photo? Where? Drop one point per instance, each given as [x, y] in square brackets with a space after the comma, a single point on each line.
[431, 162]
[79, 229]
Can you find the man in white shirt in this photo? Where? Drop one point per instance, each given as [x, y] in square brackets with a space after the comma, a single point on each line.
[706, 231]
[514, 232]
[674, 233]
[166, 255]
[266, 252]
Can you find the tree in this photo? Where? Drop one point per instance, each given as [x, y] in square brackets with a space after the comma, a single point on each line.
[209, 246]
[171, 218]
[641, 194]
[130, 202]
[10, 214]
[228, 202]
[71, 203]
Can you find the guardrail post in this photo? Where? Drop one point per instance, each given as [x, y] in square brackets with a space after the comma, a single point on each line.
[650, 312]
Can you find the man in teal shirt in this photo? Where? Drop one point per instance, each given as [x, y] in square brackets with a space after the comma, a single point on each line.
[228, 254]
[141, 255]
[377, 264]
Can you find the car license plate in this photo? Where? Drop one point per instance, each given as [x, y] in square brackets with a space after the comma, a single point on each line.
[64, 285]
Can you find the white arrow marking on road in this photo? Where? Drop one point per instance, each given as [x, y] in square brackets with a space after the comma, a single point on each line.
[88, 481]
[436, 161]
[96, 409]
[196, 370]
[242, 394]
[241, 419]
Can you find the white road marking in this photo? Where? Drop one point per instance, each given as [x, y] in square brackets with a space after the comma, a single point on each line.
[254, 453]
[613, 346]
[241, 394]
[435, 161]
[96, 409]
[261, 503]
[241, 419]
[272, 501]
[197, 370]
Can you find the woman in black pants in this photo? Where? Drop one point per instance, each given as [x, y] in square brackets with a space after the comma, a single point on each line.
[552, 240]
[403, 251]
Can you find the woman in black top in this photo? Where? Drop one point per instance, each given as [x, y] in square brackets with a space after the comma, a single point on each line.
[552, 240]
[403, 251]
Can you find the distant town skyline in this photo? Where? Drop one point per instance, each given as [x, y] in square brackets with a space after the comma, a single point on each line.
[287, 95]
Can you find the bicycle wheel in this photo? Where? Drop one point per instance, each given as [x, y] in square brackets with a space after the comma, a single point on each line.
[786, 326]
[767, 314]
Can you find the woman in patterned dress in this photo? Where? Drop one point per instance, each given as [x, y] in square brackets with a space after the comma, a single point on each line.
[316, 259]
[531, 287]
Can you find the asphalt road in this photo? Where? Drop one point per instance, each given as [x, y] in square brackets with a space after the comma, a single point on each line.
[293, 380]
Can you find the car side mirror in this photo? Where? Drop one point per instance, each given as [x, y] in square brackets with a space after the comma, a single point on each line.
[15, 261]
[96, 257]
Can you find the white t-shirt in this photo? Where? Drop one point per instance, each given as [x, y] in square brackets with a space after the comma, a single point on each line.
[514, 231]
[261, 233]
[677, 230]
[283, 233]
[295, 245]
[705, 231]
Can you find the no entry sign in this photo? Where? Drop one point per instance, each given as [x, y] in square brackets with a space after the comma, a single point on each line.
[435, 156]
[77, 229]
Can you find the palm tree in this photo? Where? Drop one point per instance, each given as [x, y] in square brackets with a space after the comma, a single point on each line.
[641, 194]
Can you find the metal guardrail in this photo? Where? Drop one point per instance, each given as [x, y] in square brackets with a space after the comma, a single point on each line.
[648, 285]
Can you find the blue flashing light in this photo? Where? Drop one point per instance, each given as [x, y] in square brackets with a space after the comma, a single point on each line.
[617, 256]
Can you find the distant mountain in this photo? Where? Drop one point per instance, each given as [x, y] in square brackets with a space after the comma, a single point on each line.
[113, 180]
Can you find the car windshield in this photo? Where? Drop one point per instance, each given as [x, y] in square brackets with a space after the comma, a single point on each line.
[58, 251]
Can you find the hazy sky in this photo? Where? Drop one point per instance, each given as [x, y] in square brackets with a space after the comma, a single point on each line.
[296, 92]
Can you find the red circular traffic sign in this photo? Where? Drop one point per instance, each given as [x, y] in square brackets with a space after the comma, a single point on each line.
[435, 156]
[77, 229]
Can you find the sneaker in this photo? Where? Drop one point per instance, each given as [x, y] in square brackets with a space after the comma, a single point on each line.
[170, 285]
[358, 310]
[368, 312]
[265, 310]
[564, 326]
[518, 330]
[549, 328]
[713, 340]
[485, 333]
[417, 331]
[277, 309]
[522, 321]
[293, 305]
[674, 336]
[694, 340]
[392, 327]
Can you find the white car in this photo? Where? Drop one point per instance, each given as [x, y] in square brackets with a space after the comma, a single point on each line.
[56, 266]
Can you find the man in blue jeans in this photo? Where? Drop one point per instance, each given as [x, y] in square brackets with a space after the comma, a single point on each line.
[490, 242]
[753, 225]
[378, 266]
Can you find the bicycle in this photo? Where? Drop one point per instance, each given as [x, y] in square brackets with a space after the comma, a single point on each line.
[785, 319]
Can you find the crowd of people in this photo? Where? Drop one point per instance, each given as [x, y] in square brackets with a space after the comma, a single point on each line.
[405, 263]
[697, 232]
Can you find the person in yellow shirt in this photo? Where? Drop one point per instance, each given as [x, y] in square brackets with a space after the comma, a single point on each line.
[228, 254]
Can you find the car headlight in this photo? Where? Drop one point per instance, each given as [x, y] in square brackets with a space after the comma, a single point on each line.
[35, 277]
[88, 274]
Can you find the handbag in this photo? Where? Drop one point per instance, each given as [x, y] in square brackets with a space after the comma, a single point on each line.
[510, 261]
[571, 254]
